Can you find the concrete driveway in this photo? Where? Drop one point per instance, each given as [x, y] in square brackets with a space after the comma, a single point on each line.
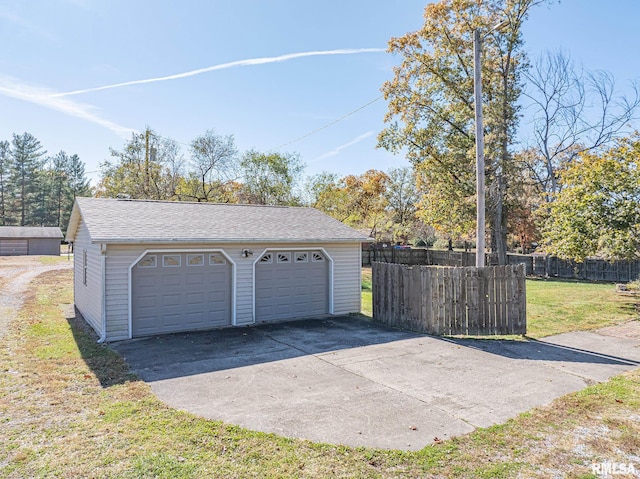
[351, 381]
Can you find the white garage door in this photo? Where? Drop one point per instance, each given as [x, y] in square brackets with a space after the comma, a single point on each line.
[180, 292]
[14, 247]
[291, 284]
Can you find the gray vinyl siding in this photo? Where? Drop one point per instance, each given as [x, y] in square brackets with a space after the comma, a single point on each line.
[347, 289]
[88, 297]
[117, 264]
[346, 273]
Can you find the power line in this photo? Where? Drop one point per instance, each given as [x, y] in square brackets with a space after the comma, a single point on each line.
[329, 124]
[313, 132]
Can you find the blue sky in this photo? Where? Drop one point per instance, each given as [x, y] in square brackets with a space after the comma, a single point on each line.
[52, 47]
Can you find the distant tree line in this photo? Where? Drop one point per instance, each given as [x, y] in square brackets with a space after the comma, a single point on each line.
[212, 169]
[150, 166]
[37, 189]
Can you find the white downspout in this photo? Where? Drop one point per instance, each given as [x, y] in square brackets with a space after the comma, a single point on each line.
[103, 299]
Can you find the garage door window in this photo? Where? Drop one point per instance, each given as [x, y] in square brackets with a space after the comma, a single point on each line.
[195, 260]
[267, 258]
[216, 258]
[171, 261]
[284, 257]
[318, 258]
[302, 257]
[147, 262]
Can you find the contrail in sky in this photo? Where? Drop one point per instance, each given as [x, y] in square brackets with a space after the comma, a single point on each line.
[338, 149]
[224, 66]
[44, 97]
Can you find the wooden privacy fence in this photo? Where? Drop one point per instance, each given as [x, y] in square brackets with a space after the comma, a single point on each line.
[451, 300]
[592, 269]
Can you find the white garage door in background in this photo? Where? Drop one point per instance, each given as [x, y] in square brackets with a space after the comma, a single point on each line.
[173, 292]
[291, 284]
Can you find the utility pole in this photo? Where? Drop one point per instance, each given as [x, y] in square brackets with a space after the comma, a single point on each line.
[477, 90]
[146, 162]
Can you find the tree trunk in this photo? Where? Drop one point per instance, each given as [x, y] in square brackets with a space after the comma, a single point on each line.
[500, 226]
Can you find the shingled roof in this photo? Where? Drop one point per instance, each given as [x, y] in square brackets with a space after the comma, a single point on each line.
[25, 232]
[137, 221]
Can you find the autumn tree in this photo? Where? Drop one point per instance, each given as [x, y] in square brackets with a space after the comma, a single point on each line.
[524, 204]
[325, 191]
[573, 111]
[366, 203]
[148, 166]
[402, 198]
[431, 108]
[597, 209]
[271, 178]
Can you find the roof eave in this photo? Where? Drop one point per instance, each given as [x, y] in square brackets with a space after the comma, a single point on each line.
[223, 240]
[74, 221]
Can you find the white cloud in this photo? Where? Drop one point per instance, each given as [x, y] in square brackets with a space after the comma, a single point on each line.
[223, 66]
[45, 97]
[338, 149]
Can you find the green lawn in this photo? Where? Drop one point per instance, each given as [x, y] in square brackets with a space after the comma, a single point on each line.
[69, 407]
[557, 306]
[367, 295]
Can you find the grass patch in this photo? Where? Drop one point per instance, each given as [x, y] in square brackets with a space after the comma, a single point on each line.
[70, 408]
[367, 294]
[557, 306]
[47, 260]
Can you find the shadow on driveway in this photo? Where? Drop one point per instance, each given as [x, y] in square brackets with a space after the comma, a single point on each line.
[182, 354]
[536, 350]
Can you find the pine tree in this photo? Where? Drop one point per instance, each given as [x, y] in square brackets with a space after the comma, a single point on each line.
[5, 185]
[76, 184]
[27, 160]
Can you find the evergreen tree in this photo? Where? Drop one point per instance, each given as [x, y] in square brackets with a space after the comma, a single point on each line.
[5, 185]
[27, 162]
[76, 184]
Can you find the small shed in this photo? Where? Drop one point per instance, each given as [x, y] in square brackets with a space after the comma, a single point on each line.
[152, 267]
[30, 240]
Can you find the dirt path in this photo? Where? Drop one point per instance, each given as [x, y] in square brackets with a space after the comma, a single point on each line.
[16, 272]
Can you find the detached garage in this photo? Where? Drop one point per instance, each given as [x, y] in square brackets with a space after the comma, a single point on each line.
[29, 240]
[155, 267]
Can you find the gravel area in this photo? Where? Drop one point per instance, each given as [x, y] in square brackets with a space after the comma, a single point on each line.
[16, 272]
